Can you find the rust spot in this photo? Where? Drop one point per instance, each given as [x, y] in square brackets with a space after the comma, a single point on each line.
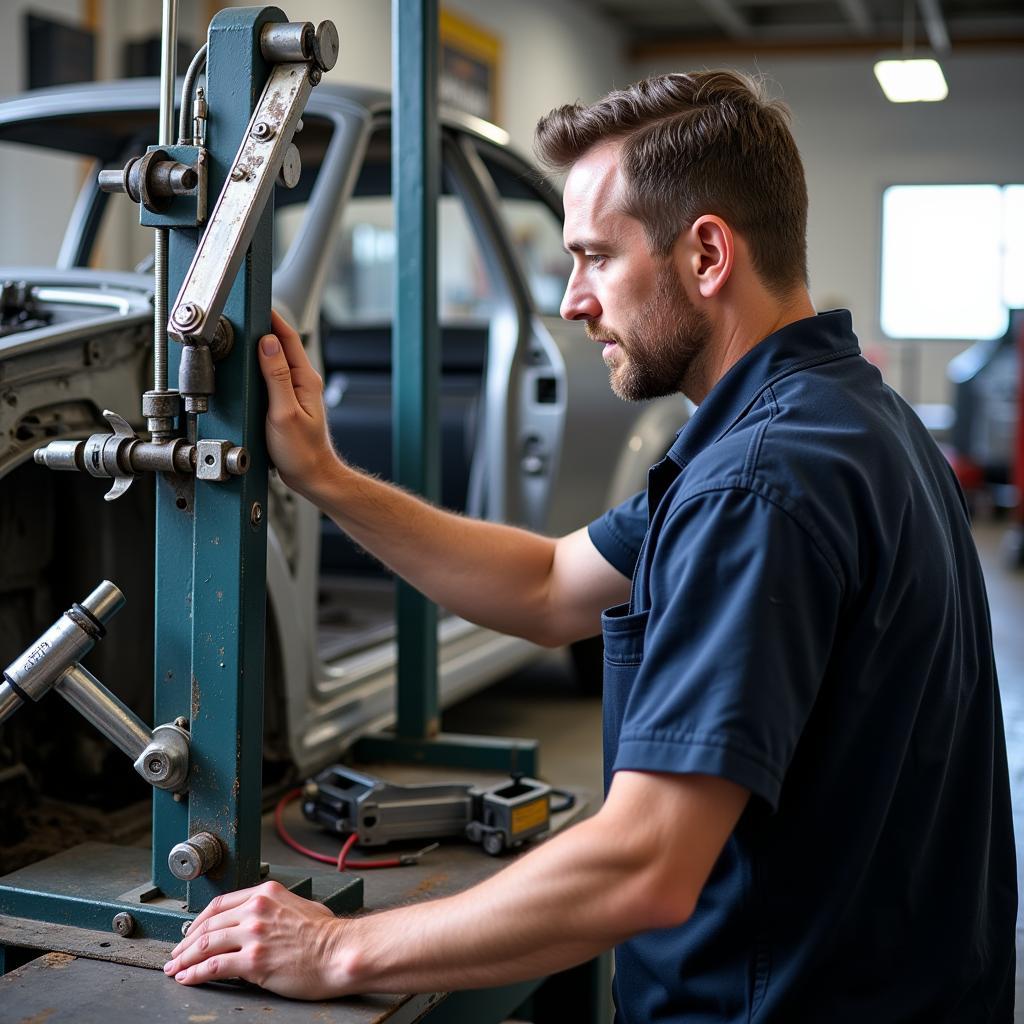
[235, 786]
[430, 883]
[58, 959]
[38, 1018]
[196, 699]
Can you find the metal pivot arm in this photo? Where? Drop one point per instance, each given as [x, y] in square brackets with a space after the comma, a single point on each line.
[265, 152]
[51, 663]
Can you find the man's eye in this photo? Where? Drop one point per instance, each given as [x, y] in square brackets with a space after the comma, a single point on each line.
[596, 259]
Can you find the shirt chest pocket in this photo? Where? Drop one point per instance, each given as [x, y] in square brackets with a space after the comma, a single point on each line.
[623, 632]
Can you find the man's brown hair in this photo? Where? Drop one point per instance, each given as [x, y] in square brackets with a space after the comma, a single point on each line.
[694, 144]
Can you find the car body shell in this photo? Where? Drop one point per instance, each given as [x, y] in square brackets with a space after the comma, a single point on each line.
[587, 450]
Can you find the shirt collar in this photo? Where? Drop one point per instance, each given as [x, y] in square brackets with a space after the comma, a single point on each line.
[803, 343]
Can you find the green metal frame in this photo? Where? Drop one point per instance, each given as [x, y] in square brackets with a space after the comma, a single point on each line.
[415, 386]
[215, 624]
[211, 542]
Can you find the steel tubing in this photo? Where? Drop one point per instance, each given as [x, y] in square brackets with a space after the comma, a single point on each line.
[9, 701]
[168, 56]
[94, 702]
[105, 601]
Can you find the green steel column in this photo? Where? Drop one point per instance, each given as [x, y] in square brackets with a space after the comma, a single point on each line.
[415, 177]
[211, 546]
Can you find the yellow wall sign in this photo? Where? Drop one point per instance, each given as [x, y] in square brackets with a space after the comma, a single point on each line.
[470, 65]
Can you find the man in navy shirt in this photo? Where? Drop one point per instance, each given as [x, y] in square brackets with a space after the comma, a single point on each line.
[807, 814]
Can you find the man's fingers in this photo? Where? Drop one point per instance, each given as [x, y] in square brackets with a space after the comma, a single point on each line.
[303, 373]
[224, 916]
[212, 943]
[278, 375]
[217, 968]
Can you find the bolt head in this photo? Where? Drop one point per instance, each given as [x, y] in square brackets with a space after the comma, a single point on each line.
[256, 514]
[123, 924]
[262, 130]
[187, 315]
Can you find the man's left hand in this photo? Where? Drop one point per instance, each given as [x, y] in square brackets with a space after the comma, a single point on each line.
[266, 935]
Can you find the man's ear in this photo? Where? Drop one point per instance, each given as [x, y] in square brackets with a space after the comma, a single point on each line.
[711, 252]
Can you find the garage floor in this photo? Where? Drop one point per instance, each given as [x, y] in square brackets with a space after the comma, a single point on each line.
[543, 702]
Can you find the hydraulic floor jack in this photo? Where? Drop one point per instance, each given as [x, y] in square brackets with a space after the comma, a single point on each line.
[207, 190]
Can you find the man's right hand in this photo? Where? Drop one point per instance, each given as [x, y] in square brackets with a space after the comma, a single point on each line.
[297, 436]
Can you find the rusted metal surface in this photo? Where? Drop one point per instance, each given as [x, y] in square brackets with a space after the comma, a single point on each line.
[60, 989]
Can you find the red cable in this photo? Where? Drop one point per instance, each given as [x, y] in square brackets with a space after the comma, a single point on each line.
[341, 862]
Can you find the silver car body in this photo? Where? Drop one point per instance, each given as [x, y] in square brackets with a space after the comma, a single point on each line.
[550, 465]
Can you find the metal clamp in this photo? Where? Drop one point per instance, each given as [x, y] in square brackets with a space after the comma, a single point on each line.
[51, 663]
[266, 152]
[122, 455]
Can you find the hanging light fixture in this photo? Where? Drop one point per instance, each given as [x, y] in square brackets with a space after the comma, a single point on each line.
[909, 79]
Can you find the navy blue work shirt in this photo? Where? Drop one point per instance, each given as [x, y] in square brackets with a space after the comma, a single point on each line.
[808, 619]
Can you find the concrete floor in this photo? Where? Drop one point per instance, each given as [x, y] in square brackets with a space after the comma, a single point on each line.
[543, 702]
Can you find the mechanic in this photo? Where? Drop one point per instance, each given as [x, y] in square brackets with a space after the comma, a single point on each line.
[807, 813]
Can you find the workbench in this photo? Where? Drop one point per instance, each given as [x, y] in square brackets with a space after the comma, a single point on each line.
[59, 987]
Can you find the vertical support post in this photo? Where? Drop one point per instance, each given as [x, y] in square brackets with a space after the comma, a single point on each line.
[415, 179]
[211, 537]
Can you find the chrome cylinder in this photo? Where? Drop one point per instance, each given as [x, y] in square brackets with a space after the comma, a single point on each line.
[168, 71]
[94, 702]
[9, 701]
[168, 57]
[66, 455]
[105, 601]
[287, 42]
[68, 640]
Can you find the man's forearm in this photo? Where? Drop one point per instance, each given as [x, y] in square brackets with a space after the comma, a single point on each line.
[494, 575]
[561, 905]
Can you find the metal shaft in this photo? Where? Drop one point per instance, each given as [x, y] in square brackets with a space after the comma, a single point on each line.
[94, 702]
[168, 56]
[9, 701]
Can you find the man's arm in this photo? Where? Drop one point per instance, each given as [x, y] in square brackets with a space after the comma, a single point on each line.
[639, 864]
[550, 591]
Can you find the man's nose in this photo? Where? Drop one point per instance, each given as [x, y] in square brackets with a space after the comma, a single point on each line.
[579, 302]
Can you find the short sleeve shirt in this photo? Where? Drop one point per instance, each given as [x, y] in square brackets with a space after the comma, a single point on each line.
[808, 619]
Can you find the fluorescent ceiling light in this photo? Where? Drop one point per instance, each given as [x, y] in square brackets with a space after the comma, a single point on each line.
[911, 81]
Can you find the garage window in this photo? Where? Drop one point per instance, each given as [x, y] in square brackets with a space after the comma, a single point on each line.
[952, 260]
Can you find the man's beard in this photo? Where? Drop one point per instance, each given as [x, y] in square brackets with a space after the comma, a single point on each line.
[662, 349]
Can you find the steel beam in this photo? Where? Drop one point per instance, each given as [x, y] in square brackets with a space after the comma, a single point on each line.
[415, 183]
[211, 603]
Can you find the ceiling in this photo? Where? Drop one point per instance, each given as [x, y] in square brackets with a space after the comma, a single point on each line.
[654, 27]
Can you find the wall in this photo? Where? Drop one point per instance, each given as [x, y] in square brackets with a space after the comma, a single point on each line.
[854, 143]
[553, 51]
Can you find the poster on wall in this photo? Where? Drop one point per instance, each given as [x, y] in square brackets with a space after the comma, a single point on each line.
[469, 67]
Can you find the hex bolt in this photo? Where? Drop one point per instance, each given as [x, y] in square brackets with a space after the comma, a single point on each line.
[262, 130]
[123, 924]
[256, 514]
[187, 316]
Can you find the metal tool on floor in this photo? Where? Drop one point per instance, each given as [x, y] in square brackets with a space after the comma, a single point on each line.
[207, 191]
[501, 816]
